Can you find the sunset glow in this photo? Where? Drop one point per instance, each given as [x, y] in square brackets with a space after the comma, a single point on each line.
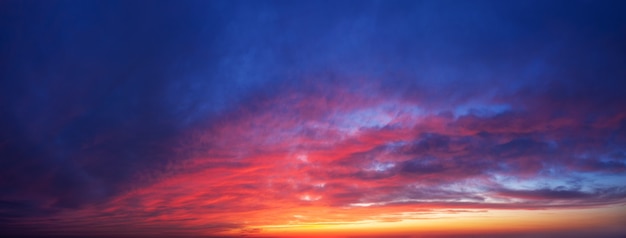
[313, 119]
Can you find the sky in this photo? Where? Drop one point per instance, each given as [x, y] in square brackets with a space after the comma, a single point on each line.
[312, 118]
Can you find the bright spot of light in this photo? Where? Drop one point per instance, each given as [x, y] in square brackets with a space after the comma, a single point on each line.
[303, 158]
[310, 198]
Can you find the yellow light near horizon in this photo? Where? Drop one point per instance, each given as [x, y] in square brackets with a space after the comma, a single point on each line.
[474, 222]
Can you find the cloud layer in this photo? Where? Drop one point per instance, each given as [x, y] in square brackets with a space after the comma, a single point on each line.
[127, 119]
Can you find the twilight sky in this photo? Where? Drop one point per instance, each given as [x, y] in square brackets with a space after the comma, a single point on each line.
[322, 118]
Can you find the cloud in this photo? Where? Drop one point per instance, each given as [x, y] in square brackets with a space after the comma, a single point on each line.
[214, 117]
[559, 194]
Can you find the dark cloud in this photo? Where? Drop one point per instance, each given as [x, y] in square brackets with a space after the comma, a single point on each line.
[520, 147]
[422, 166]
[555, 194]
[563, 193]
[88, 106]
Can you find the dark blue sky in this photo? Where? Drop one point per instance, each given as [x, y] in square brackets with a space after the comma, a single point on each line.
[99, 99]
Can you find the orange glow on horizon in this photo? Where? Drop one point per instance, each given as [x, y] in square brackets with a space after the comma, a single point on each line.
[456, 222]
[460, 222]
